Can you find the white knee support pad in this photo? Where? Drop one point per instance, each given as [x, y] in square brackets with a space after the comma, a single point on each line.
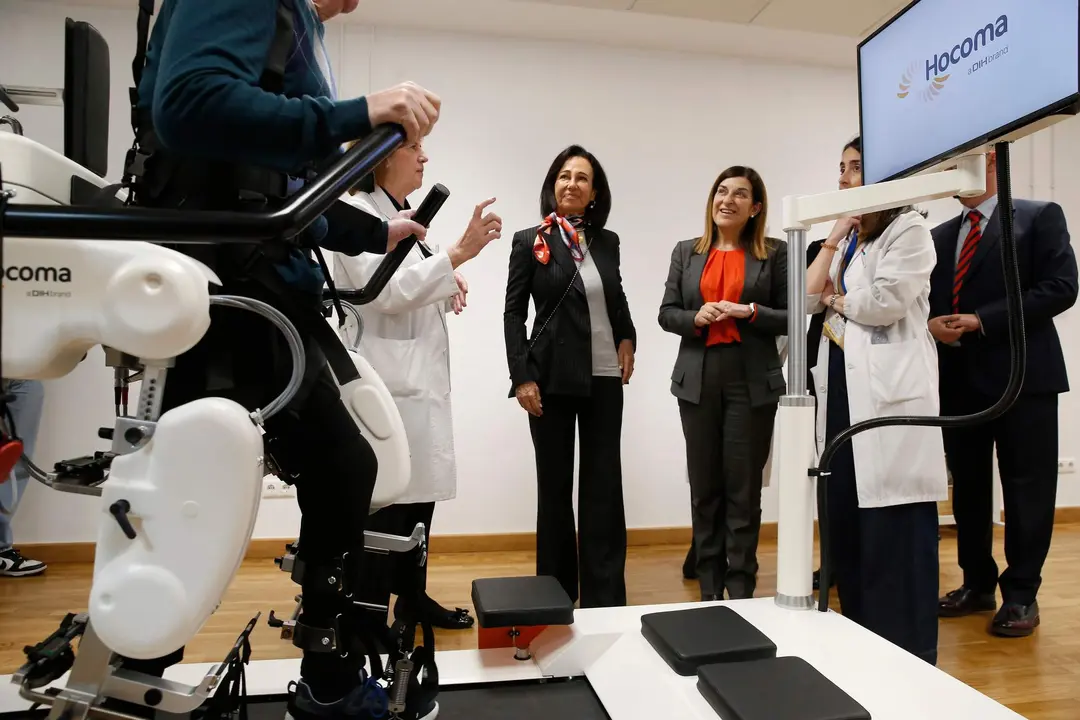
[376, 414]
[193, 493]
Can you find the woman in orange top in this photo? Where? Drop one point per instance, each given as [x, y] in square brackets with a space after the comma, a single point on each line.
[726, 297]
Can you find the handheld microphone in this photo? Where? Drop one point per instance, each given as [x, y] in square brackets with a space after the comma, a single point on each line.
[392, 260]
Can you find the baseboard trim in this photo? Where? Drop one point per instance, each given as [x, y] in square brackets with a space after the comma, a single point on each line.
[269, 548]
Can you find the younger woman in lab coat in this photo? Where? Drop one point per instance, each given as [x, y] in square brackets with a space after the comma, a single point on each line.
[405, 340]
[876, 358]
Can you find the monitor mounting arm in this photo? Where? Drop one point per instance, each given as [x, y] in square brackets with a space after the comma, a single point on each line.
[12, 95]
[796, 426]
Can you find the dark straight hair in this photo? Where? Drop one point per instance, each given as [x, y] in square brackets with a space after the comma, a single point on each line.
[596, 214]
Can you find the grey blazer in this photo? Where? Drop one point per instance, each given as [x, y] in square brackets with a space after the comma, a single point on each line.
[765, 283]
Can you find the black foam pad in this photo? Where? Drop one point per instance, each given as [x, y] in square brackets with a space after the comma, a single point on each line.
[784, 687]
[688, 639]
[521, 602]
[87, 97]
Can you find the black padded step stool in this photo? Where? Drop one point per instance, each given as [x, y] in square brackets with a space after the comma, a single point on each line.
[510, 612]
[688, 639]
[783, 687]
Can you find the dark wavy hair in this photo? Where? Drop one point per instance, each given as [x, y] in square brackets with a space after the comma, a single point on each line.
[596, 214]
[876, 223]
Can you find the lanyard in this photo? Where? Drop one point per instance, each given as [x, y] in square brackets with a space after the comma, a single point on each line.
[849, 255]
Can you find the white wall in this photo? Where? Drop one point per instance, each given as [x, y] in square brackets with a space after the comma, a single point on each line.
[663, 124]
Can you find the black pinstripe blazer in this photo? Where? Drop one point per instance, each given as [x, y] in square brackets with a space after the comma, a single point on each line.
[560, 362]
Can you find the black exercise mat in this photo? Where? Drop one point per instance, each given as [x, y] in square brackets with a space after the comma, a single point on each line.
[784, 688]
[499, 701]
[688, 639]
[554, 700]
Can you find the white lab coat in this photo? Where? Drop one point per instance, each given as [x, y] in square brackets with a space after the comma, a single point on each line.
[405, 339]
[891, 365]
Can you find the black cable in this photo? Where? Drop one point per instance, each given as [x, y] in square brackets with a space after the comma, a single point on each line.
[1017, 364]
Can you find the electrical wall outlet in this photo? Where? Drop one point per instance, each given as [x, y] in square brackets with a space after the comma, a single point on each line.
[1066, 465]
[274, 488]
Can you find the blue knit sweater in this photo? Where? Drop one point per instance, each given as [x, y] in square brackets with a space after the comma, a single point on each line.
[201, 85]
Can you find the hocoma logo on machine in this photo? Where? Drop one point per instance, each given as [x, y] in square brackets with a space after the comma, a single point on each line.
[934, 72]
[39, 275]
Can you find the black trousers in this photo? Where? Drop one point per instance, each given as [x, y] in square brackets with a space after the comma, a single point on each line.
[245, 358]
[727, 446]
[398, 572]
[1027, 449]
[597, 551]
[885, 559]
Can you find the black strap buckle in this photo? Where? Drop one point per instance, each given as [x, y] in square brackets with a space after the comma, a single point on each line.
[316, 639]
[326, 579]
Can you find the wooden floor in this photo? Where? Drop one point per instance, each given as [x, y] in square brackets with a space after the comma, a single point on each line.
[1038, 677]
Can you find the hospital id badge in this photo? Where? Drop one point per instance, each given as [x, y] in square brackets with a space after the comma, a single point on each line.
[834, 329]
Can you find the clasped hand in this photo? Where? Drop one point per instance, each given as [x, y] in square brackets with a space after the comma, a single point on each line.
[713, 312]
[947, 329]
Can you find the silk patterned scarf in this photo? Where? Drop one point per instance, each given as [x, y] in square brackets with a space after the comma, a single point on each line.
[570, 231]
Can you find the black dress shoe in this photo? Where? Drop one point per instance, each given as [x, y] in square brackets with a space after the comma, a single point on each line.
[965, 601]
[711, 598]
[436, 614]
[1016, 620]
[817, 580]
[440, 617]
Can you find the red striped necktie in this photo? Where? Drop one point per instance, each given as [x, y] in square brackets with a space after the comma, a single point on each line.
[971, 242]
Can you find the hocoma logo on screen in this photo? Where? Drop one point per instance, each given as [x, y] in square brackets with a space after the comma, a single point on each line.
[935, 71]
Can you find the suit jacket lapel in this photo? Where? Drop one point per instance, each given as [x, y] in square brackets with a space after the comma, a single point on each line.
[694, 270]
[988, 243]
[751, 273]
[941, 279]
[948, 237]
[563, 258]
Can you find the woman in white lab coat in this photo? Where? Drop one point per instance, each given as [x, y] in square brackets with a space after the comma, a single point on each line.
[405, 339]
[876, 357]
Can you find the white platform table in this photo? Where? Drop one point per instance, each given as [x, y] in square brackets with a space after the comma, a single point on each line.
[634, 683]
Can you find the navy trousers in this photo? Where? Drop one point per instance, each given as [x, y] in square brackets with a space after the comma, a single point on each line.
[885, 560]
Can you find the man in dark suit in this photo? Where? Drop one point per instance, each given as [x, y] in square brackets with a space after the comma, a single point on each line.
[970, 321]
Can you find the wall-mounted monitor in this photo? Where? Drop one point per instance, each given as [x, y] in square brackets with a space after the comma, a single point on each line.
[945, 77]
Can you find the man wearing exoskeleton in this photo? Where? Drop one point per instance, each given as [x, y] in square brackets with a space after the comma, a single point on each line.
[233, 106]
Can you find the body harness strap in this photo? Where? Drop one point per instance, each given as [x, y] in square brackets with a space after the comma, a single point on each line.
[158, 177]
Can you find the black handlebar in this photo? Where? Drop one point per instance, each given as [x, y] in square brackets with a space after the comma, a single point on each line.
[392, 260]
[180, 226]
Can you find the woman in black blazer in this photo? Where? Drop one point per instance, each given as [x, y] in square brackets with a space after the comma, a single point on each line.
[569, 372]
[726, 297]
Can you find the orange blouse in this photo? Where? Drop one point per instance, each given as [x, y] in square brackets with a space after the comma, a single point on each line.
[721, 280]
